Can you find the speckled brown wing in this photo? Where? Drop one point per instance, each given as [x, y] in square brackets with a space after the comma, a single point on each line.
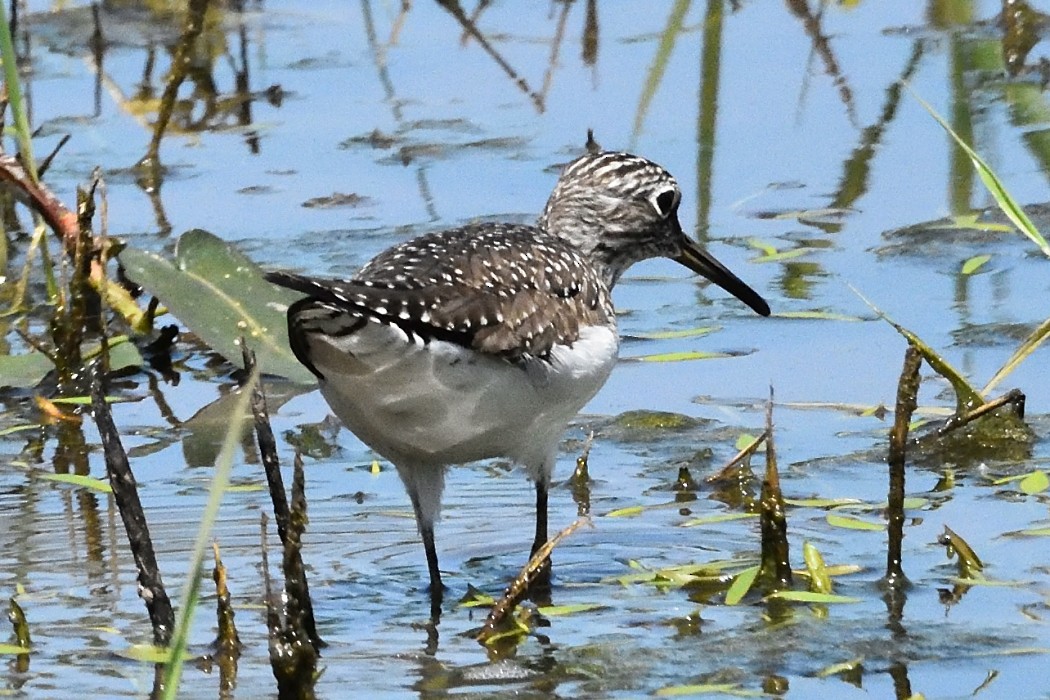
[501, 289]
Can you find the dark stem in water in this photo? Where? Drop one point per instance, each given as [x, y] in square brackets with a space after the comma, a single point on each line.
[907, 399]
[125, 493]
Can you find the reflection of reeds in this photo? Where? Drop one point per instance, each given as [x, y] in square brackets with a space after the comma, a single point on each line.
[821, 45]
[180, 66]
[668, 38]
[855, 170]
[379, 57]
[453, 8]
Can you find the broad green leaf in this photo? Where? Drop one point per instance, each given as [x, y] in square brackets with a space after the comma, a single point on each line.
[1034, 483]
[19, 428]
[803, 215]
[966, 396]
[851, 523]
[720, 518]
[24, 371]
[975, 263]
[1002, 197]
[122, 352]
[843, 569]
[88, 482]
[674, 574]
[811, 597]
[1016, 651]
[910, 503]
[742, 583]
[745, 441]
[221, 296]
[246, 488]
[771, 254]
[980, 580]
[475, 597]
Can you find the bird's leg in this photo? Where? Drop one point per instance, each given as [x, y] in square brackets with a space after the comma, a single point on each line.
[425, 522]
[437, 589]
[540, 587]
[424, 484]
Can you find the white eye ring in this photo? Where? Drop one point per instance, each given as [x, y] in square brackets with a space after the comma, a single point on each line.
[666, 201]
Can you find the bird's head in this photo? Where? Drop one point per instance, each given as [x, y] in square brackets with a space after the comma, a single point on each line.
[620, 209]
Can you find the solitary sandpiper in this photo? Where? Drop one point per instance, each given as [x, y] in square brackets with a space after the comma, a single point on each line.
[485, 340]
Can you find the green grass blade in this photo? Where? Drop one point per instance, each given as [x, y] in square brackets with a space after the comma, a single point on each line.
[191, 588]
[742, 583]
[1002, 197]
[811, 597]
[971, 266]
[23, 134]
[850, 523]
[1033, 341]
[966, 396]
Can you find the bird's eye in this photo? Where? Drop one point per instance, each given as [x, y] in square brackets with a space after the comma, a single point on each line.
[666, 202]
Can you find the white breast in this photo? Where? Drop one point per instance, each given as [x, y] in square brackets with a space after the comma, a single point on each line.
[443, 404]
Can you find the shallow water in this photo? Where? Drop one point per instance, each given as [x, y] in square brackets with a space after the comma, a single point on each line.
[427, 129]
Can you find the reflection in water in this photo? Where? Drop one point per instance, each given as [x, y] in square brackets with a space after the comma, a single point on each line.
[589, 53]
[707, 114]
[379, 57]
[821, 44]
[453, 8]
[856, 169]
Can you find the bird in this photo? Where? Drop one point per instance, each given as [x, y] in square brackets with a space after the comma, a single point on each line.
[485, 340]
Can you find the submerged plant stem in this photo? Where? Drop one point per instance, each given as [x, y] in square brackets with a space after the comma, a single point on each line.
[227, 643]
[1014, 397]
[516, 591]
[776, 565]
[283, 512]
[125, 493]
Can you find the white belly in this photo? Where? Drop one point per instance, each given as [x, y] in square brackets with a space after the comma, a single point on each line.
[439, 403]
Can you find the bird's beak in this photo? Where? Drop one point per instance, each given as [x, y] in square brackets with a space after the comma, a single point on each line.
[700, 261]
